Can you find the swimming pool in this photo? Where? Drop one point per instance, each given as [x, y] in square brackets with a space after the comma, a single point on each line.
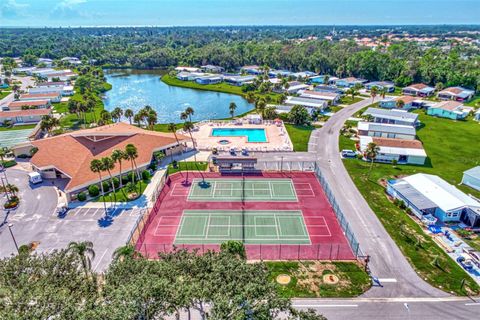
[253, 135]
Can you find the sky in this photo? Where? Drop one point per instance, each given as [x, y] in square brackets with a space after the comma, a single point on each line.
[65, 13]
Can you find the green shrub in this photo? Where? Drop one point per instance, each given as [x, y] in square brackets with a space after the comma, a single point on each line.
[125, 179]
[153, 166]
[116, 182]
[234, 247]
[93, 190]
[130, 174]
[146, 175]
[81, 196]
[9, 163]
[106, 186]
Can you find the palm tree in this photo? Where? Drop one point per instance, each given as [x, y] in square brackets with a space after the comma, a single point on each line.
[188, 126]
[152, 119]
[373, 93]
[129, 115]
[108, 165]
[383, 92]
[84, 250]
[173, 128]
[190, 112]
[260, 105]
[97, 167]
[118, 156]
[326, 79]
[132, 154]
[105, 117]
[138, 119]
[232, 108]
[48, 123]
[352, 92]
[117, 114]
[400, 104]
[13, 189]
[371, 153]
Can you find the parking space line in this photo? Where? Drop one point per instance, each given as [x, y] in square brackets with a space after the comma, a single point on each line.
[100, 260]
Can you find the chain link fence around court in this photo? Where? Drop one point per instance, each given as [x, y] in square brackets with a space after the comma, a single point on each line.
[260, 251]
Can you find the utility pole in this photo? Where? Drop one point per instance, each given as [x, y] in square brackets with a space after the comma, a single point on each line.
[13, 237]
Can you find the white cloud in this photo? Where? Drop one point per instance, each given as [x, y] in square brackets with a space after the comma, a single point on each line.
[69, 9]
[12, 9]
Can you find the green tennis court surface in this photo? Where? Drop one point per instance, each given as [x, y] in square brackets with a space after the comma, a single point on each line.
[234, 190]
[251, 227]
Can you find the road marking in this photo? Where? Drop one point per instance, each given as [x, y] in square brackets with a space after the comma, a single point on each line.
[473, 304]
[325, 305]
[386, 280]
[100, 260]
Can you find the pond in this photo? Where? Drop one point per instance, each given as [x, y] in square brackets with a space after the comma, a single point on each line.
[135, 89]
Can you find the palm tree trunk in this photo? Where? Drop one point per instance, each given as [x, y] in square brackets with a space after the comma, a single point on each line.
[120, 165]
[370, 170]
[103, 192]
[113, 186]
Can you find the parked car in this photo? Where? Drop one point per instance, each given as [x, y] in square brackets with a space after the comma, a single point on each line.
[349, 153]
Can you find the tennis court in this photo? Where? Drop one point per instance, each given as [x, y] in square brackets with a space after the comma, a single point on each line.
[242, 189]
[251, 227]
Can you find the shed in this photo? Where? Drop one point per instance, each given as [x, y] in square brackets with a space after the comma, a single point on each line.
[471, 178]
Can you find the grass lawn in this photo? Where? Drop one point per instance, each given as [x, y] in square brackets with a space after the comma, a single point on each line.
[71, 121]
[348, 100]
[300, 135]
[189, 165]
[452, 147]
[3, 93]
[475, 102]
[122, 193]
[307, 279]
[27, 126]
[220, 87]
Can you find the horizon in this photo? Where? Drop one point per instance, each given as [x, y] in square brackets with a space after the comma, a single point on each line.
[217, 13]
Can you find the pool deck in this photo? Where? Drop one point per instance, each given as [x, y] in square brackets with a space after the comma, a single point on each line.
[277, 136]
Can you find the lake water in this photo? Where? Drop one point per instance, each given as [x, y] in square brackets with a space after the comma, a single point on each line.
[135, 89]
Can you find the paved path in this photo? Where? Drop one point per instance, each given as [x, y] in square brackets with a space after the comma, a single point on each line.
[25, 83]
[387, 261]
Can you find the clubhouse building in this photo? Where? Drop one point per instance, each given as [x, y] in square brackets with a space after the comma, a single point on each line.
[69, 155]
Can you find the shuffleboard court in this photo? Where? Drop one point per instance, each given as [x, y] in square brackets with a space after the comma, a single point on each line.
[238, 189]
[250, 227]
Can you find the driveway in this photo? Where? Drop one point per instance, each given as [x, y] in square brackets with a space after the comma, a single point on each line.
[36, 220]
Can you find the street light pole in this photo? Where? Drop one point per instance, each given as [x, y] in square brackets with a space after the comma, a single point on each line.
[5, 189]
[13, 237]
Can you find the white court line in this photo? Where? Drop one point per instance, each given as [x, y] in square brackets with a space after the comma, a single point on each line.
[100, 260]
[473, 304]
[178, 195]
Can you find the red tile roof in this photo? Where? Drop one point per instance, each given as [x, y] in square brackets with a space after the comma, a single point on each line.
[397, 143]
[40, 95]
[448, 105]
[406, 99]
[71, 153]
[418, 86]
[34, 103]
[22, 113]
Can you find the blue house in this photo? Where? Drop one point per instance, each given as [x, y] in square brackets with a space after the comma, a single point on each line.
[448, 109]
[393, 103]
[427, 194]
[349, 82]
[209, 80]
[321, 80]
[477, 115]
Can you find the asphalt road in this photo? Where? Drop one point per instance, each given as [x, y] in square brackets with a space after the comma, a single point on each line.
[387, 261]
[26, 82]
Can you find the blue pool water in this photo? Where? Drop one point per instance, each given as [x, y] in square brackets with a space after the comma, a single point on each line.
[253, 135]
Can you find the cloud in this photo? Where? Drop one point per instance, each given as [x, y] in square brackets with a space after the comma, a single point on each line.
[69, 9]
[12, 9]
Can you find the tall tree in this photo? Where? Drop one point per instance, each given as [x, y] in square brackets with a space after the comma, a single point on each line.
[118, 156]
[108, 165]
[84, 251]
[371, 152]
[97, 167]
[232, 109]
[129, 115]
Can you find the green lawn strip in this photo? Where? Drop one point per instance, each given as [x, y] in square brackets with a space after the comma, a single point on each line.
[3, 94]
[475, 102]
[220, 87]
[22, 127]
[122, 193]
[299, 135]
[451, 148]
[348, 100]
[307, 279]
[189, 165]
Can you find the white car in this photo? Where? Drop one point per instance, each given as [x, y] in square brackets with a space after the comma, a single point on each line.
[349, 153]
[35, 177]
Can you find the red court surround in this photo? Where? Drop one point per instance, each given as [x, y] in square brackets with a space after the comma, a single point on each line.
[327, 239]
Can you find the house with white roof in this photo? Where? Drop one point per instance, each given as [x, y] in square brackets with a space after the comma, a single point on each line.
[295, 87]
[392, 116]
[401, 150]
[449, 109]
[471, 178]
[477, 115]
[238, 80]
[384, 130]
[187, 69]
[332, 97]
[303, 74]
[418, 90]
[349, 82]
[409, 102]
[388, 86]
[427, 194]
[456, 93]
[306, 102]
[212, 69]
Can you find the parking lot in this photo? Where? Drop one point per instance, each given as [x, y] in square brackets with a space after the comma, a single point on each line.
[36, 220]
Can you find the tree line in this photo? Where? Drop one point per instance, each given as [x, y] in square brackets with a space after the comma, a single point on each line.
[216, 285]
[403, 62]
